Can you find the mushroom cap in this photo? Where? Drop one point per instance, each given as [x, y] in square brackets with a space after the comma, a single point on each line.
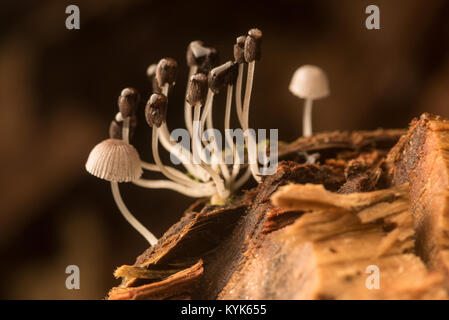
[309, 82]
[114, 160]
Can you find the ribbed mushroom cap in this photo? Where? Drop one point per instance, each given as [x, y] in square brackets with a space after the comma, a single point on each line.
[309, 82]
[114, 160]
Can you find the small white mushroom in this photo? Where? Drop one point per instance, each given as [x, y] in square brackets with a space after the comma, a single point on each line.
[309, 83]
[117, 161]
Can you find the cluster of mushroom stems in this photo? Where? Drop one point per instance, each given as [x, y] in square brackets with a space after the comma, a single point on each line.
[116, 160]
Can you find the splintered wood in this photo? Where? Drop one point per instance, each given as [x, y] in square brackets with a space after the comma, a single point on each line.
[422, 158]
[369, 220]
[343, 235]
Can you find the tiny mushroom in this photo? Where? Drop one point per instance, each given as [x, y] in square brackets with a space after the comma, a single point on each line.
[239, 57]
[128, 102]
[166, 73]
[117, 161]
[309, 83]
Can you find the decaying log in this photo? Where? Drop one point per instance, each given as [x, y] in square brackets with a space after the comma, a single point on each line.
[422, 158]
[307, 232]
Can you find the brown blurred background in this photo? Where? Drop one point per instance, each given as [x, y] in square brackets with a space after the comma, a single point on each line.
[58, 92]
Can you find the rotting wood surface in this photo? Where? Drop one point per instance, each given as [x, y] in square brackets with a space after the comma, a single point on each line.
[307, 232]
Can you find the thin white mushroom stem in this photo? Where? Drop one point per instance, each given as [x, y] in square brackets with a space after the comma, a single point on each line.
[238, 93]
[307, 118]
[248, 89]
[187, 106]
[129, 217]
[227, 121]
[125, 130]
[207, 108]
[155, 168]
[219, 184]
[217, 154]
[165, 184]
[252, 154]
[252, 147]
[227, 125]
[186, 181]
[196, 137]
[184, 155]
[164, 137]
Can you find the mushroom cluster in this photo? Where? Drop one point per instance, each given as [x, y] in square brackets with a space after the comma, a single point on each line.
[211, 174]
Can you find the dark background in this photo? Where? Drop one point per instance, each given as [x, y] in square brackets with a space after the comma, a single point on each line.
[58, 92]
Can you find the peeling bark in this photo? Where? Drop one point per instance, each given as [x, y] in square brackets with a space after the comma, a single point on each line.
[307, 232]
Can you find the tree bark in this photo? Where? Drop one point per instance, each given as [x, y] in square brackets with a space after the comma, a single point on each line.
[310, 231]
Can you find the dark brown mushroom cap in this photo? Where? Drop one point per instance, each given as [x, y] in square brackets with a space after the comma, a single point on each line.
[156, 109]
[166, 72]
[253, 45]
[197, 89]
[128, 101]
[223, 75]
[239, 46]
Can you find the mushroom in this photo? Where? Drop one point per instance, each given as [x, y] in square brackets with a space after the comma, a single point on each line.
[252, 53]
[166, 71]
[127, 102]
[117, 161]
[239, 57]
[309, 83]
[219, 78]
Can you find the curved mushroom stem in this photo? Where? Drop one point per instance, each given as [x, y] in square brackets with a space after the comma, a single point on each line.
[125, 129]
[164, 137]
[228, 139]
[248, 89]
[185, 180]
[252, 146]
[196, 137]
[187, 106]
[129, 217]
[165, 184]
[184, 155]
[207, 108]
[218, 154]
[155, 168]
[238, 93]
[307, 118]
[223, 193]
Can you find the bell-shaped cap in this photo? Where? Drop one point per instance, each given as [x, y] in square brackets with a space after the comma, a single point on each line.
[114, 160]
[156, 110]
[197, 89]
[309, 82]
[166, 72]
